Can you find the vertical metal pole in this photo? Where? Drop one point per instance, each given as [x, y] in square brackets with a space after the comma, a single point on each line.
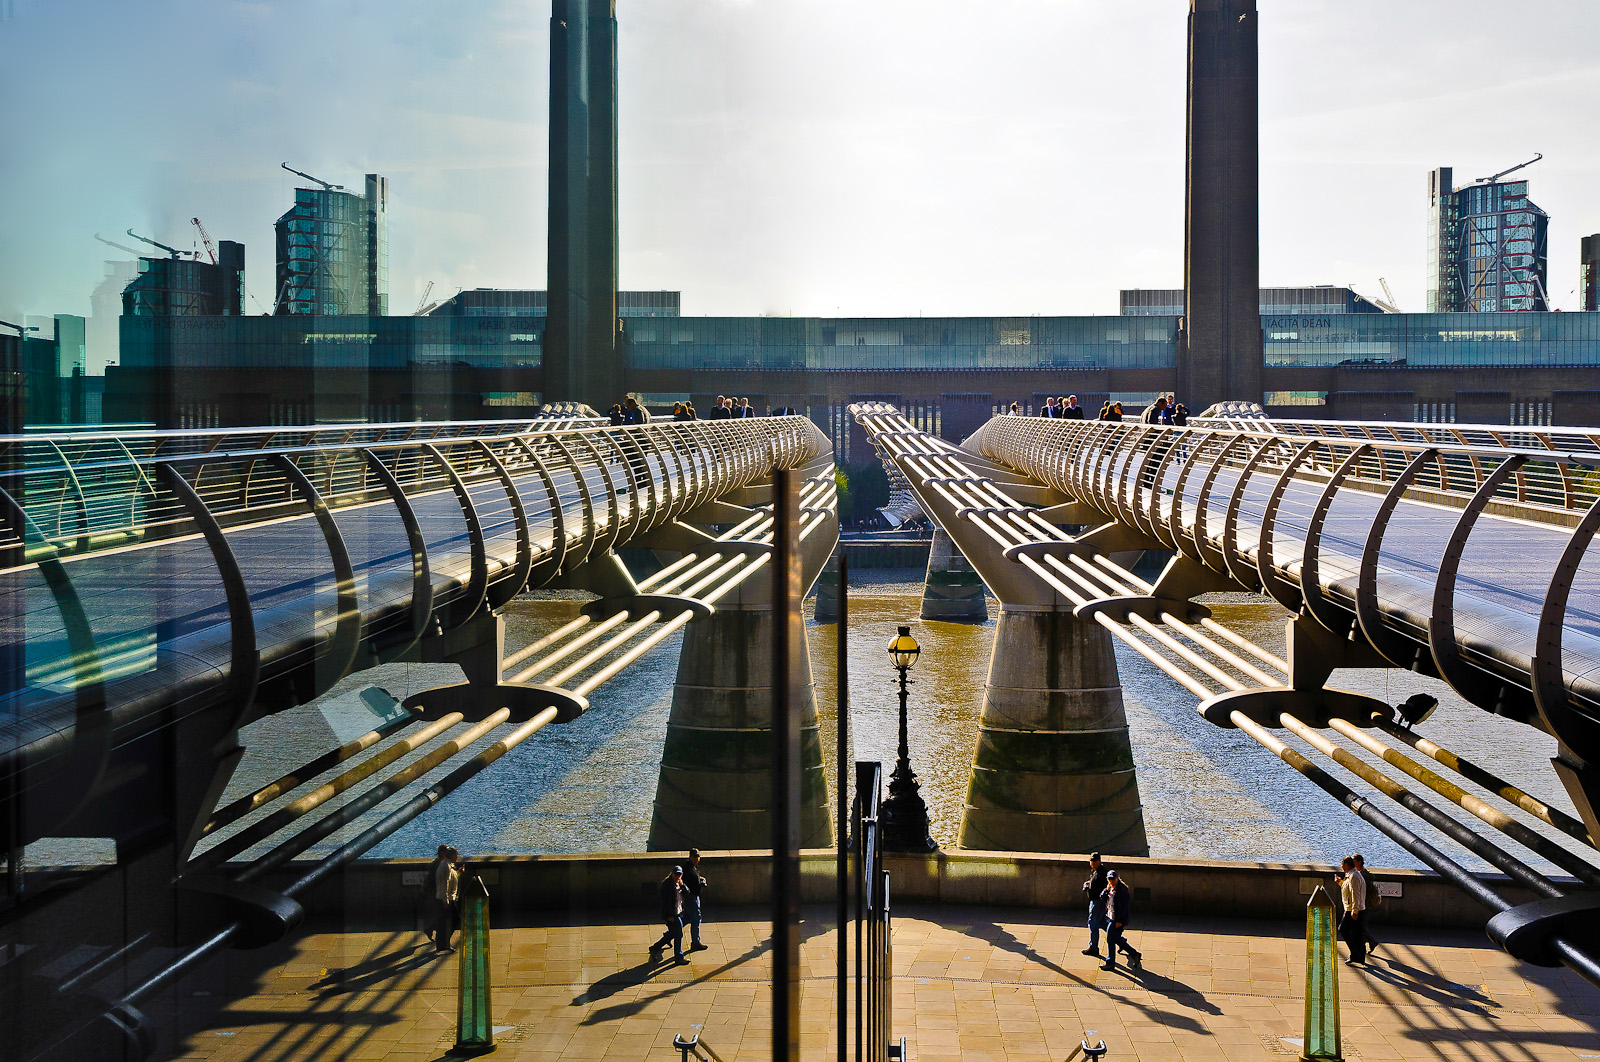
[785, 777]
[841, 676]
[861, 913]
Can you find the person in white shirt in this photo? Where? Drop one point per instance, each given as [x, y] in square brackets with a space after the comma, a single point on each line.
[1352, 926]
[444, 884]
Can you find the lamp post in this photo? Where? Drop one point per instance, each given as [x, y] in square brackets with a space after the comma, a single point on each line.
[904, 815]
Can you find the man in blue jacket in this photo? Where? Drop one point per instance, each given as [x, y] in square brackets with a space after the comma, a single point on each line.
[1095, 887]
[1119, 912]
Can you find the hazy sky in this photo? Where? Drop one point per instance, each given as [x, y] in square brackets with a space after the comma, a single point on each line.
[868, 157]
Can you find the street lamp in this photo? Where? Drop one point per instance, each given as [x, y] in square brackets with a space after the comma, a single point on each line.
[904, 816]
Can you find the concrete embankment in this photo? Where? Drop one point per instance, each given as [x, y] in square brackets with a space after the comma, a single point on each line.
[379, 892]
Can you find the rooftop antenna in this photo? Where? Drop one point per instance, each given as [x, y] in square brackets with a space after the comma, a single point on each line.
[173, 251]
[1514, 169]
[326, 186]
[118, 246]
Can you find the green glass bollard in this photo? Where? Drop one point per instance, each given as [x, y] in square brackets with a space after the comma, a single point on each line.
[474, 1023]
[1322, 981]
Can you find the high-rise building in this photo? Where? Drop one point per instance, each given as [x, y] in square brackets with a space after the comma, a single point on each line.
[333, 251]
[1589, 273]
[188, 287]
[1486, 247]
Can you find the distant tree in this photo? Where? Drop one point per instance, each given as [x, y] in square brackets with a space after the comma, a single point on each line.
[841, 479]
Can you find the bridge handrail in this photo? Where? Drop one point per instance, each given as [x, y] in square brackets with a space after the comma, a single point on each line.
[1552, 484]
[668, 468]
[77, 520]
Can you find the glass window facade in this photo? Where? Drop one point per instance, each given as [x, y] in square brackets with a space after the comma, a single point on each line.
[1487, 247]
[842, 344]
[1432, 340]
[333, 252]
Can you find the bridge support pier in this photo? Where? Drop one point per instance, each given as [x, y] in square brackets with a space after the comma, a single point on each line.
[715, 788]
[1053, 771]
[952, 590]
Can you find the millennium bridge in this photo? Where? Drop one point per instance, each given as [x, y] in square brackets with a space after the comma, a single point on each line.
[1452, 551]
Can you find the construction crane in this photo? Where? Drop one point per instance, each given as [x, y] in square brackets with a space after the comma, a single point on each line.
[118, 246]
[205, 238]
[318, 180]
[173, 251]
[1489, 180]
[423, 305]
[1391, 306]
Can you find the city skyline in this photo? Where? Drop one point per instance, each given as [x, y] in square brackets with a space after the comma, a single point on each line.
[1026, 162]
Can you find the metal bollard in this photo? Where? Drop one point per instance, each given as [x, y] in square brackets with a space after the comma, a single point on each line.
[474, 1023]
[1322, 981]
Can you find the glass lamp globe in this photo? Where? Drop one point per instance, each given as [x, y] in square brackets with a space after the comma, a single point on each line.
[904, 649]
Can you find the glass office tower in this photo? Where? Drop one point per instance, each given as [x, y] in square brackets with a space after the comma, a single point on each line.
[333, 251]
[1486, 247]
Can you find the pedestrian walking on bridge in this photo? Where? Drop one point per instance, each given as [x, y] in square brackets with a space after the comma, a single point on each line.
[1095, 888]
[1353, 926]
[1119, 912]
[672, 893]
[696, 885]
[444, 884]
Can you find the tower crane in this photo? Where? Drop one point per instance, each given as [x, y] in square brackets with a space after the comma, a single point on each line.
[118, 246]
[1521, 165]
[205, 238]
[173, 251]
[1390, 306]
[423, 305]
[326, 186]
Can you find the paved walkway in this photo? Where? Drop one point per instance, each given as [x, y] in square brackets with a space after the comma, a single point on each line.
[973, 983]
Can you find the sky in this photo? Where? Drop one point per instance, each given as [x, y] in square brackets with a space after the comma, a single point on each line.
[806, 157]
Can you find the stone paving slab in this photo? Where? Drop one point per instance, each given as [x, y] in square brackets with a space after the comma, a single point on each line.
[972, 984]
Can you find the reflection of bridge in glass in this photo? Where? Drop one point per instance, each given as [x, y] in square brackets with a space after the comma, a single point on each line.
[1455, 552]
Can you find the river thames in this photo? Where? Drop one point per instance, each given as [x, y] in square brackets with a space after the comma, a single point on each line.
[589, 785]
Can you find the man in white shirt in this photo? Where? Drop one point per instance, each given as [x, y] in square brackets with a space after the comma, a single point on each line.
[444, 884]
[1352, 927]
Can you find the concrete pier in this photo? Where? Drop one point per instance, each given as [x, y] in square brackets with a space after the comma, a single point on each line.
[952, 590]
[1053, 770]
[715, 789]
